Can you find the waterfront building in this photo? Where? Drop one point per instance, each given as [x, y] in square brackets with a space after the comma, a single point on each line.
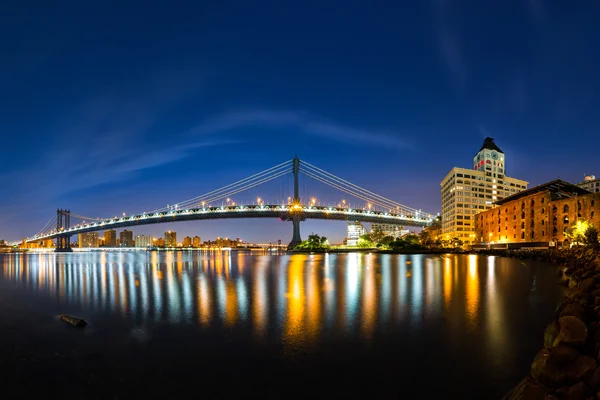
[539, 216]
[466, 192]
[87, 240]
[110, 238]
[187, 241]
[126, 238]
[590, 183]
[395, 231]
[354, 230]
[160, 242]
[170, 239]
[196, 241]
[143, 241]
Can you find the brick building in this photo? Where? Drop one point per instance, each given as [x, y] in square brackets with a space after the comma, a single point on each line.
[539, 216]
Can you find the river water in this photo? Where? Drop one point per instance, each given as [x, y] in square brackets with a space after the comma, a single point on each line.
[235, 324]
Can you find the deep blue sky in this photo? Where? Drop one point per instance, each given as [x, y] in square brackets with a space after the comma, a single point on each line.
[127, 106]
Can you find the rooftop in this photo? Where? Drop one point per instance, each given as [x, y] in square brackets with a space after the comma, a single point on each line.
[488, 143]
[558, 188]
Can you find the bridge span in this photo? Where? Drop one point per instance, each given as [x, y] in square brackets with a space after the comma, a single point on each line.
[378, 209]
[283, 212]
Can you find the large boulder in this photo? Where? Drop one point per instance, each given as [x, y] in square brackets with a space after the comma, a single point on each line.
[578, 391]
[587, 285]
[550, 334]
[572, 331]
[573, 309]
[582, 369]
[533, 391]
[544, 371]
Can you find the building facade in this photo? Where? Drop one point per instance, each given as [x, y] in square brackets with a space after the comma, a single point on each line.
[466, 192]
[540, 216]
[590, 183]
[196, 241]
[170, 239]
[187, 241]
[144, 241]
[110, 238]
[354, 230]
[87, 240]
[395, 231]
[126, 238]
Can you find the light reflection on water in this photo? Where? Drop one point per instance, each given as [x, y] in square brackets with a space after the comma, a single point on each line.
[300, 295]
[386, 310]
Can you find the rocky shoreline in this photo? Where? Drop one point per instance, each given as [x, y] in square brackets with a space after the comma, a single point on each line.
[567, 367]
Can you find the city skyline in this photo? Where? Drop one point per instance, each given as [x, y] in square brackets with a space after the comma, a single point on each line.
[126, 122]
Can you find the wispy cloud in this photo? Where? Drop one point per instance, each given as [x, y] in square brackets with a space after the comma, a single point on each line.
[302, 122]
[449, 43]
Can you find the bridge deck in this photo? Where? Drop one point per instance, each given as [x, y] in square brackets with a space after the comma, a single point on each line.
[284, 212]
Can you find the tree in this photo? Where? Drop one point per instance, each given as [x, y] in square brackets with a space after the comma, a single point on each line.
[365, 243]
[591, 238]
[376, 235]
[314, 242]
[577, 232]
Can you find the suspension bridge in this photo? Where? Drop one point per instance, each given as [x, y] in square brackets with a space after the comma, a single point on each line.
[376, 208]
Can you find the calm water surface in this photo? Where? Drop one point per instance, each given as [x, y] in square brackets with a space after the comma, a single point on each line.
[229, 324]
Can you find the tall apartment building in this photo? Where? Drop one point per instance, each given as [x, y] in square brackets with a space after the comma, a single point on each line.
[143, 241]
[126, 238]
[395, 231]
[354, 230]
[466, 192]
[187, 241]
[196, 241]
[110, 238]
[590, 183]
[87, 240]
[170, 239]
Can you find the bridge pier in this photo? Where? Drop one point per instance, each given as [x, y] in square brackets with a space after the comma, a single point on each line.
[296, 218]
[296, 239]
[63, 222]
[63, 244]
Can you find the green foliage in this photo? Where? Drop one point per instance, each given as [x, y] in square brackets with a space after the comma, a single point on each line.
[314, 242]
[408, 242]
[583, 232]
[591, 238]
[365, 243]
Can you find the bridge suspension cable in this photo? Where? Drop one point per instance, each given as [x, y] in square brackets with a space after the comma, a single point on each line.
[236, 187]
[86, 218]
[352, 189]
[51, 223]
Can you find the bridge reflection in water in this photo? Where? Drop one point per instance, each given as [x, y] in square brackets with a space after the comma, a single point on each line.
[290, 319]
[301, 296]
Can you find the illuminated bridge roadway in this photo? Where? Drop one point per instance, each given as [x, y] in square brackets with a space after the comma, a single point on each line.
[283, 212]
[378, 209]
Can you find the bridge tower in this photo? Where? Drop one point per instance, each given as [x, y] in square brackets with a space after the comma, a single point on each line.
[296, 217]
[63, 222]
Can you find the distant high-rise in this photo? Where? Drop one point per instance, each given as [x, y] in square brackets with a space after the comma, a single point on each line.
[160, 242]
[126, 238]
[590, 183]
[143, 241]
[87, 240]
[110, 238]
[187, 241]
[170, 239]
[196, 241]
[466, 192]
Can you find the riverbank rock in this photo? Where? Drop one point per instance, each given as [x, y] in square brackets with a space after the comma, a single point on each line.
[69, 319]
[572, 331]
